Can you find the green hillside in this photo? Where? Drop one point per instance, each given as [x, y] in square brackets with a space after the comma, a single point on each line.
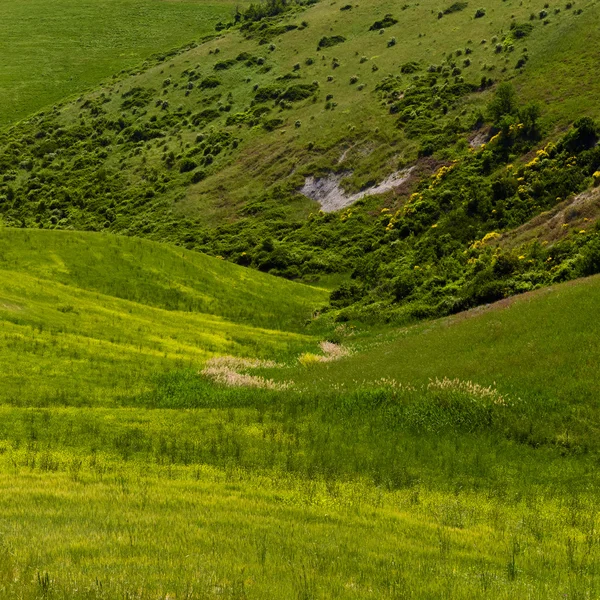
[211, 148]
[95, 319]
[297, 300]
[395, 472]
[51, 50]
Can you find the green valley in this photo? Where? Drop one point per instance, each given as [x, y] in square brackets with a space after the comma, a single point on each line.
[297, 300]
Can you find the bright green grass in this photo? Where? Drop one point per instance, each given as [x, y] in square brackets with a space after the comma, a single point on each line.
[342, 490]
[50, 50]
[542, 344]
[90, 318]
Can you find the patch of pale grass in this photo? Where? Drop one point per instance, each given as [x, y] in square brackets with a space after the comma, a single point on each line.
[474, 390]
[331, 352]
[230, 371]
[241, 364]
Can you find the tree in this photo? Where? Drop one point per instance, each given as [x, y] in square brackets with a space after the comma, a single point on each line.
[530, 115]
[503, 103]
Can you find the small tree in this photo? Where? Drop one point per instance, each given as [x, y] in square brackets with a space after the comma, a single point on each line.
[530, 116]
[503, 103]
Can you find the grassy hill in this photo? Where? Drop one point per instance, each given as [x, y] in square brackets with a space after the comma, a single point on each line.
[210, 147]
[174, 425]
[52, 50]
[95, 319]
[454, 459]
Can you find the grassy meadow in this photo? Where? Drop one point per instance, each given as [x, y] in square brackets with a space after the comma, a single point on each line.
[451, 459]
[89, 318]
[179, 426]
[52, 50]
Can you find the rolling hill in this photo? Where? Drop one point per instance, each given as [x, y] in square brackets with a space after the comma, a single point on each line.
[454, 458]
[94, 318]
[454, 110]
[302, 305]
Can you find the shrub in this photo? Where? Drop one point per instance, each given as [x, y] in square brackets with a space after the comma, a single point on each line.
[298, 92]
[272, 124]
[345, 294]
[456, 7]
[590, 261]
[480, 12]
[209, 83]
[503, 103]
[409, 67]
[387, 21]
[391, 42]
[584, 135]
[187, 165]
[328, 42]
[197, 176]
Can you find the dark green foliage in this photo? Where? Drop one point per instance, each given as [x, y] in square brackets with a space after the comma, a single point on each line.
[409, 67]
[504, 103]
[345, 295]
[298, 92]
[328, 42]
[387, 21]
[203, 117]
[590, 259]
[136, 97]
[187, 165]
[293, 93]
[583, 136]
[519, 30]
[224, 65]
[456, 7]
[266, 93]
[209, 83]
[197, 176]
[270, 8]
[272, 124]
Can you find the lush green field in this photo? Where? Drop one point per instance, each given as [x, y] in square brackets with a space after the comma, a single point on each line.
[51, 50]
[90, 319]
[175, 426]
[452, 459]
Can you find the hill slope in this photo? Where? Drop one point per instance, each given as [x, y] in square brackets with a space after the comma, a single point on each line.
[88, 318]
[51, 50]
[210, 149]
[342, 489]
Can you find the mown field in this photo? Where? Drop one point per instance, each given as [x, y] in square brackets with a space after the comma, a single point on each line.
[51, 50]
[453, 459]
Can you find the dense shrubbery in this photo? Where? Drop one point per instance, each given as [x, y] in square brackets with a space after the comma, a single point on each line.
[434, 253]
